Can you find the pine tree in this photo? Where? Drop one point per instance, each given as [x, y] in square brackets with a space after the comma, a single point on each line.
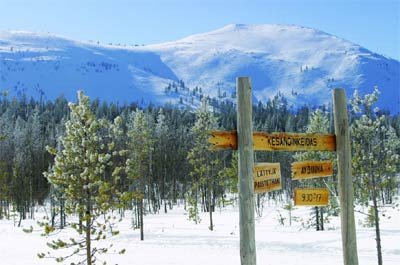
[138, 165]
[119, 147]
[205, 166]
[36, 139]
[79, 173]
[228, 177]
[375, 160]
[22, 169]
[162, 137]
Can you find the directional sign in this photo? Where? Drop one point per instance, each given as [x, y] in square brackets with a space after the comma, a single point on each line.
[294, 141]
[276, 141]
[223, 140]
[267, 177]
[311, 169]
[311, 197]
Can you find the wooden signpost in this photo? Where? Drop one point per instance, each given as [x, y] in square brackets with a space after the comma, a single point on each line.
[346, 193]
[265, 177]
[245, 170]
[311, 169]
[311, 197]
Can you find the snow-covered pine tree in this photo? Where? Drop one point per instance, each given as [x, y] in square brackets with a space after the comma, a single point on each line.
[140, 144]
[161, 155]
[38, 152]
[205, 166]
[228, 179]
[118, 145]
[375, 160]
[79, 172]
[56, 196]
[22, 169]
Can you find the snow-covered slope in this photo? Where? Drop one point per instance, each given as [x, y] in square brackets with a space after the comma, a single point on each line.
[37, 64]
[301, 63]
[304, 64]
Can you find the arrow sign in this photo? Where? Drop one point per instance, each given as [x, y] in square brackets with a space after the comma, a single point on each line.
[276, 141]
[311, 169]
[223, 140]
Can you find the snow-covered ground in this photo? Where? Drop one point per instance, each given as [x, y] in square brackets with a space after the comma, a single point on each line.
[171, 239]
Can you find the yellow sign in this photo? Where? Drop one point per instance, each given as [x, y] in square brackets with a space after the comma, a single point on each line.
[267, 177]
[311, 197]
[277, 141]
[223, 140]
[311, 169]
[294, 141]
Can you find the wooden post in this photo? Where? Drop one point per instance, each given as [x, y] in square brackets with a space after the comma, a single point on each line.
[349, 240]
[246, 163]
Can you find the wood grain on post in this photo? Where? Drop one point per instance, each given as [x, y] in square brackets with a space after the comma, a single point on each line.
[246, 163]
[349, 240]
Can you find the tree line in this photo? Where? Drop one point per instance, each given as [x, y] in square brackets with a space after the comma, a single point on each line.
[89, 158]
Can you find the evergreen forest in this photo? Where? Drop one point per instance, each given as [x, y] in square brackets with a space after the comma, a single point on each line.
[91, 158]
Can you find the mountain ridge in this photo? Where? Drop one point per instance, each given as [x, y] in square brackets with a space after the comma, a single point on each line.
[301, 63]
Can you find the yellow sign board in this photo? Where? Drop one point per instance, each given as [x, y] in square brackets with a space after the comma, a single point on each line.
[223, 140]
[311, 169]
[277, 141]
[294, 141]
[267, 177]
[311, 196]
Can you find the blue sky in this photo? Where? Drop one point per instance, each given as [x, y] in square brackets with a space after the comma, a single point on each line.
[374, 24]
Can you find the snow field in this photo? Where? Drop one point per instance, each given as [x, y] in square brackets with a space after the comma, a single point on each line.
[171, 239]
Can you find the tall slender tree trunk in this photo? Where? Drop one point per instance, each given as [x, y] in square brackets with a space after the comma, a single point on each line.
[258, 203]
[141, 219]
[174, 196]
[31, 203]
[53, 211]
[321, 212]
[8, 210]
[164, 181]
[62, 213]
[376, 215]
[149, 198]
[20, 219]
[135, 214]
[88, 241]
[80, 223]
[210, 208]
[1, 210]
[88, 228]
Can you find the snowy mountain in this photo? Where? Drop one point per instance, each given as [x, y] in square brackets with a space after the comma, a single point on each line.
[302, 64]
